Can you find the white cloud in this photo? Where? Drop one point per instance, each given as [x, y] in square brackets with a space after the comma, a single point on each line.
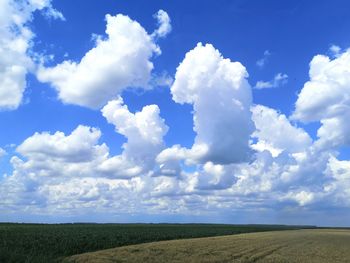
[117, 62]
[302, 197]
[328, 87]
[79, 154]
[261, 62]
[276, 181]
[335, 50]
[278, 81]
[275, 130]
[175, 153]
[58, 173]
[326, 98]
[164, 24]
[221, 97]
[16, 41]
[339, 183]
[215, 177]
[144, 131]
[77, 147]
[63, 173]
[52, 155]
[46, 6]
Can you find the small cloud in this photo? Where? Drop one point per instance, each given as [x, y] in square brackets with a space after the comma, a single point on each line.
[51, 13]
[2, 152]
[261, 62]
[162, 80]
[163, 22]
[335, 50]
[278, 81]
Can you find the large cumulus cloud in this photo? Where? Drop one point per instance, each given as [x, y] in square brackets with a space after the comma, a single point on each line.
[325, 98]
[118, 61]
[221, 98]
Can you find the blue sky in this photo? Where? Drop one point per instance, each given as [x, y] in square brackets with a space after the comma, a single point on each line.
[249, 127]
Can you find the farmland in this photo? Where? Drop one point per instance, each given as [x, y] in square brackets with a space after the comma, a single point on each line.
[311, 246]
[51, 243]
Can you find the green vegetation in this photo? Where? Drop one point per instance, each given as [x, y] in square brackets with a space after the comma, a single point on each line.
[311, 246]
[51, 243]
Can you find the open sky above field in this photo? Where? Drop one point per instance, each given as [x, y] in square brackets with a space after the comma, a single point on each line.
[175, 111]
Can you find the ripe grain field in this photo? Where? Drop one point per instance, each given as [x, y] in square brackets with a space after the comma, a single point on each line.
[296, 246]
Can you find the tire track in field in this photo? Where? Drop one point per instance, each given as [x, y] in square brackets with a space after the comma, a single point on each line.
[264, 254]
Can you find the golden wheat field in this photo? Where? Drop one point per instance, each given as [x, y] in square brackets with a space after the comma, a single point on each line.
[325, 245]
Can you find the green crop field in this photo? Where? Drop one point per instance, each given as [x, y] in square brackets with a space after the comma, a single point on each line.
[51, 243]
[297, 246]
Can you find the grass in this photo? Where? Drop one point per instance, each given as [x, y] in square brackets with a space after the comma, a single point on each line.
[312, 246]
[52, 243]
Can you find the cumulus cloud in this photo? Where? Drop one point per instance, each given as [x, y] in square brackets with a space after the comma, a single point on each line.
[77, 147]
[118, 61]
[15, 46]
[58, 173]
[54, 168]
[77, 154]
[215, 177]
[287, 180]
[328, 86]
[244, 157]
[274, 131]
[339, 183]
[325, 98]
[144, 131]
[278, 81]
[221, 98]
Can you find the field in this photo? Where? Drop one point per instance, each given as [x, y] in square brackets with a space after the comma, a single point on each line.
[52, 243]
[309, 246]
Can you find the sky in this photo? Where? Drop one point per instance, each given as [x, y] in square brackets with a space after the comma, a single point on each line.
[175, 111]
